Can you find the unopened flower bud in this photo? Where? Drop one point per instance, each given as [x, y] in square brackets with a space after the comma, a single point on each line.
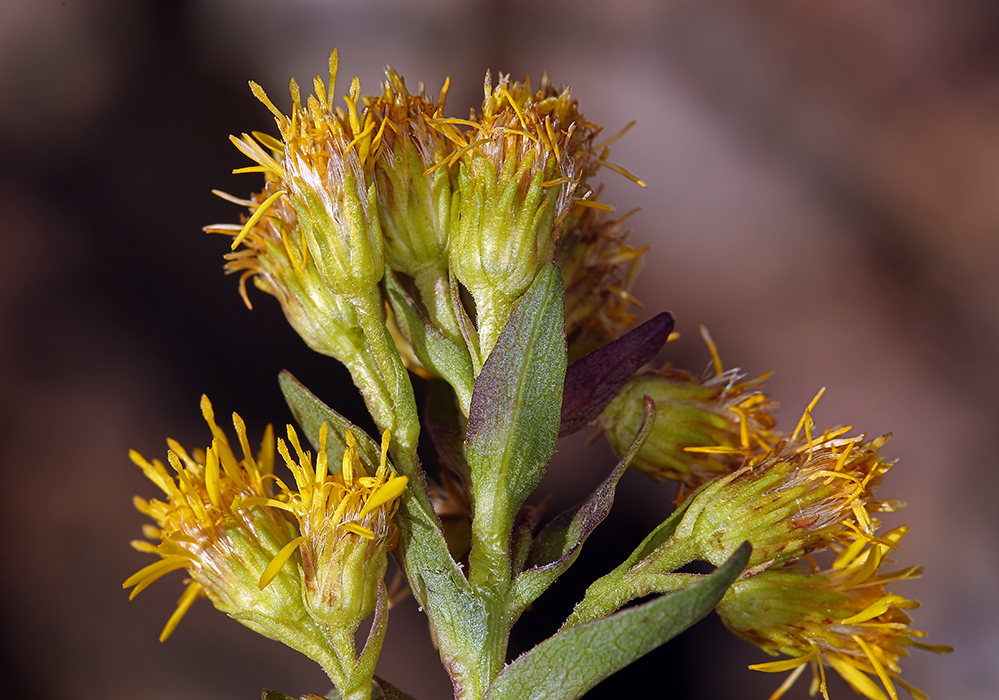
[516, 176]
[323, 169]
[414, 196]
[727, 416]
[598, 270]
[345, 520]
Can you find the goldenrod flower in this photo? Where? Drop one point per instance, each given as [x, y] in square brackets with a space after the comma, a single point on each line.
[802, 494]
[841, 617]
[703, 429]
[322, 167]
[598, 270]
[276, 256]
[345, 521]
[414, 196]
[518, 168]
[212, 526]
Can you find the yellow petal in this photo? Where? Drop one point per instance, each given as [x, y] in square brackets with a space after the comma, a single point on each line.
[389, 491]
[279, 561]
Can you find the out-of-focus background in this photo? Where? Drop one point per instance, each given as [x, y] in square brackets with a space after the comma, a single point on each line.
[822, 182]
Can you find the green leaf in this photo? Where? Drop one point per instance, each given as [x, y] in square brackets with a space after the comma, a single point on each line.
[568, 664]
[438, 354]
[311, 413]
[560, 543]
[514, 415]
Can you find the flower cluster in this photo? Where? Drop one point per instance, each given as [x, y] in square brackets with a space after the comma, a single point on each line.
[303, 566]
[475, 253]
[208, 526]
[482, 202]
[792, 498]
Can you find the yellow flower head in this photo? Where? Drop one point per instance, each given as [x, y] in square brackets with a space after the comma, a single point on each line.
[518, 167]
[345, 525]
[598, 270]
[802, 494]
[322, 167]
[703, 428]
[212, 525]
[414, 195]
[841, 617]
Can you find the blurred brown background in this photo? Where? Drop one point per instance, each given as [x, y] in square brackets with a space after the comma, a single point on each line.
[822, 195]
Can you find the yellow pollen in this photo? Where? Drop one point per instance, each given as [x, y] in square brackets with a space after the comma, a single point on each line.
[351, 100]
[262, 96]
[334, 64]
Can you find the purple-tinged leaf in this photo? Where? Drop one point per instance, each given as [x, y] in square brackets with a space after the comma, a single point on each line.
[592, 381]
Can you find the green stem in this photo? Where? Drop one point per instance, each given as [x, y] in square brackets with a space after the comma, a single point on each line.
[653, 574]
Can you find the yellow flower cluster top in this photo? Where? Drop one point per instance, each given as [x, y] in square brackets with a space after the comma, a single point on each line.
[334, 510]
[389, 180]
[223, 523]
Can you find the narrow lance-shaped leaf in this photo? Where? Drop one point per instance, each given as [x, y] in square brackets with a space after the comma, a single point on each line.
[560, 543]
[568, 664]
[592, 381]
[514, 415]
